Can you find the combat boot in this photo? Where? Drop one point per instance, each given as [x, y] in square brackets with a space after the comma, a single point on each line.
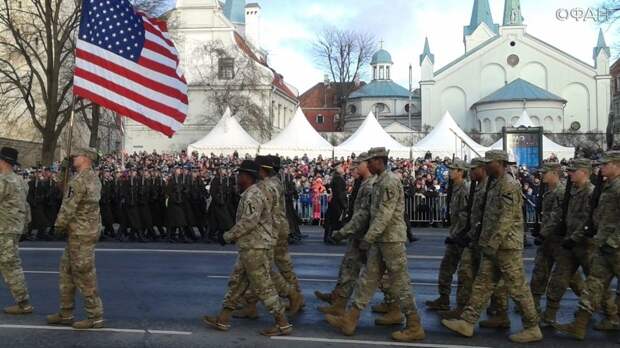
[91, 323]
[532, 334]
[325, 297]
[412, 332]
[281, 328]
[221, 322]
[23, 307]
[63, 318]
[346, 323]
[442, 303]
[459, 326]
[500, 321]
[548, 317]
[452, 314]
[579, 327]
[249, 311]
[380, 308]
[296, 301]
[608, 324]
[338, 307]
[392, 317]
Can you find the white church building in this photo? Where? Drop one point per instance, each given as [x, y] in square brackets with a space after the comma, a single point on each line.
[506, 70]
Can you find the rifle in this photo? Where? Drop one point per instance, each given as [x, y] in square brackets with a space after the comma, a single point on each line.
[561, 229]
[449, 200]
[539, 204]
[462, 239]
[589, 228]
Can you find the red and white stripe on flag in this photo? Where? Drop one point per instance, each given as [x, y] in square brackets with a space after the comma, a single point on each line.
[126, 62]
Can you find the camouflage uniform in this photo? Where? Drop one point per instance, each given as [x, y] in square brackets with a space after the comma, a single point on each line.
[501, 242]
[356, 228]
[80, 218]
[255, 239]
[386, 236]
[13, 217]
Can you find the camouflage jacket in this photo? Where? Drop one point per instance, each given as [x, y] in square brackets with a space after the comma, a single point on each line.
[458, 209]
[476, 210]
[253, 227]
[13, 204]
[502, 225]
[79, 213]
[578, 212]
[358, 225]
[387, 208]
[280, 221]
[551, 211]
[607, 215]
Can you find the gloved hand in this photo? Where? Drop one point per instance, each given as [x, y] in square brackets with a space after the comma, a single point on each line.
[59, 233]
[224, 238]
[569, 244]
[336, 236]
[448, 241]
[66, 163]
[364, 245]
[607, 249]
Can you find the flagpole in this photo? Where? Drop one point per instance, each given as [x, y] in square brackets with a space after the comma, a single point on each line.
[65, 179]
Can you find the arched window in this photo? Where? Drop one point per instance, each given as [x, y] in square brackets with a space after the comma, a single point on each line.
[499, 124]
[414, 109]
[352, 109]
[387, 72]
[548, 124]
[381, 73]
[380, 109]
[487, 127]
[374, 72]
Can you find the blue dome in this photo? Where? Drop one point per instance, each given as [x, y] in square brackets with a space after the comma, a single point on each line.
[381, 89]
[381, 57]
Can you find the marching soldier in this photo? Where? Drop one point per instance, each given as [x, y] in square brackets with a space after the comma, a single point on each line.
[13, 217]
[384, 246]
[80, 219]
[458, 221]
[175, 213]
[38, 192]
[253, 235]
[501, 242]
[606, 260]
[107, 197]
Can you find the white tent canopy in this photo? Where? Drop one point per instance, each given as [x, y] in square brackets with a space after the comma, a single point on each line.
[549, 147]
[297, 139]
[225, 138]
[448, 139]
[370, 134]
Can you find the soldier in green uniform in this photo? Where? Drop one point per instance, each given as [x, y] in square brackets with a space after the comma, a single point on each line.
[458, 221]
[606, 260]
[13, 216]
[385, 245]
[253, 235]
[573, 249]
[501, 242]
[80, 219]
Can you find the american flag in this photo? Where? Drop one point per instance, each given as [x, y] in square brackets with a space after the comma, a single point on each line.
[126, 62]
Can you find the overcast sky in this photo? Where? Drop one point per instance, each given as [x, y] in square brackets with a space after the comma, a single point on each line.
[289, 27]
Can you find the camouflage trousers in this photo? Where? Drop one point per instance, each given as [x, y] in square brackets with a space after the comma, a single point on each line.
[284, 263]
[567, 264]
[252, 272]
[447, 268]
[11, 267]
[390, 258]
[546, 258]
[78, 272]
[605, 266]
[506, 265]
[280, 284]
[349, 272]
[468, 269]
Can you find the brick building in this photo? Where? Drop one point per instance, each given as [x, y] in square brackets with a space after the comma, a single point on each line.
[321, 105]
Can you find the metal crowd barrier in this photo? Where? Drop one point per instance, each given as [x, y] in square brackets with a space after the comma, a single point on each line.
[310, 208]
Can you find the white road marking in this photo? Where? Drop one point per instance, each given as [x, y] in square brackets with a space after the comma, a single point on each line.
[42, 272]
[371, 343]
[229, 252]
[68, 328]
[315, 280]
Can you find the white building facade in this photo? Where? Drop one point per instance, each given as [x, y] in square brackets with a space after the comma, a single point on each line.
[505, 70]
[225, 66]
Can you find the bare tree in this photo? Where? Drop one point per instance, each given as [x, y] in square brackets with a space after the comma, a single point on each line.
[343, 54]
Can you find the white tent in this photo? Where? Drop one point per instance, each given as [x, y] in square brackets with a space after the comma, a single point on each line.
[297, 139]
[371, 134]
[225, 138]
[549, 147]
[448, 139]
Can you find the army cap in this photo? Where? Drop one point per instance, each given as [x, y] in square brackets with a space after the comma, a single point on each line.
[275, 161]
[610, 156]
[550, 167]
[458, 165]
[250, 167]
[497, 155]
[361, 158]
[377, 152]
[580, 163]
[87, 152]
[477, 162]
[264, 161]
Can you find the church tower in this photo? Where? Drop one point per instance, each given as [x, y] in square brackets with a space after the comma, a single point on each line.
[381, 64]
[427, 82]
[234, 10]
[512, 13]
[481, 26]
[601, 55]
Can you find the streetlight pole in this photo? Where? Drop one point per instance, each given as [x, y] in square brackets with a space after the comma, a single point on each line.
[409, 106]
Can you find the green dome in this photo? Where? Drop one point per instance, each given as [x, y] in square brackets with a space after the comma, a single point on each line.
[381, 57]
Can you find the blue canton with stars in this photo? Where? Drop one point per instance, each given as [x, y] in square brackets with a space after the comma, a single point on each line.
[113, 26]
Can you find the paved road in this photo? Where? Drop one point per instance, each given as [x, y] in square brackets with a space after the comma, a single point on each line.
[155, 293]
